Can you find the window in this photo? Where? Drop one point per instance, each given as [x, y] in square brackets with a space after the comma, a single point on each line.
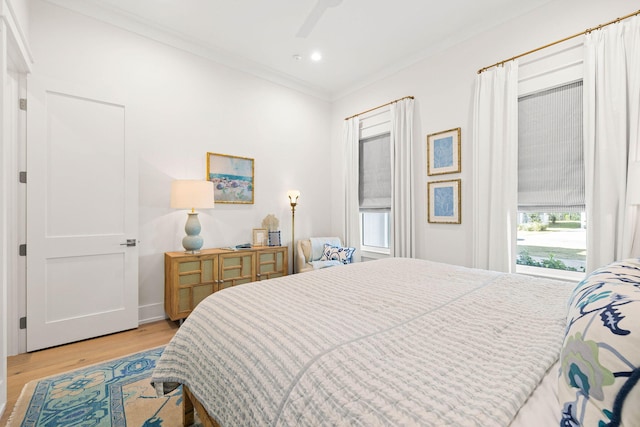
[375, 230]
[375, 193]
[551, 196]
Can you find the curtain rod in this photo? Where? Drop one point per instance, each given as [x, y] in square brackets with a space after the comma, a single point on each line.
[380, 106]
[587, 31]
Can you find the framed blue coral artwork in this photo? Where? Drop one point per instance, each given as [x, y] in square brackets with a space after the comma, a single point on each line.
[443, 200]
[443, 152]
[232, 178]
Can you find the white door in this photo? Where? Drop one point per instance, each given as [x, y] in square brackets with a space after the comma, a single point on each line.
[82, 278]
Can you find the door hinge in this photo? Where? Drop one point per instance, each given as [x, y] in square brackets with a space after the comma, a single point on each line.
[22, 249]
[23, 323]
[23, 177]
[23, 104]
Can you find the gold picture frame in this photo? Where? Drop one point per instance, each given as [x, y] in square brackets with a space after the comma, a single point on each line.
[443, 152]
[232, 176]
[260, 237]
[444, 201]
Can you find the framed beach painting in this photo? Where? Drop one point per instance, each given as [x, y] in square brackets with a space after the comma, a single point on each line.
[232, 178]
[443, 199]
[443, 152]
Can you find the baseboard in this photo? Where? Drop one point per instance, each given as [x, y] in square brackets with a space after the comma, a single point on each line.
[146, 314]
[151, 313]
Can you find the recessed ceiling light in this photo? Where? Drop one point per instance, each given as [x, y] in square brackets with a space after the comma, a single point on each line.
[297, 57]
[316, 56]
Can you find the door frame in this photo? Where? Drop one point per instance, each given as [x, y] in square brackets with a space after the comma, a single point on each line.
[15, 57]
[16, 221]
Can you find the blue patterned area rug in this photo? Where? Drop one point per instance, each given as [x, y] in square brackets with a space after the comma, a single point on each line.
[117, 393]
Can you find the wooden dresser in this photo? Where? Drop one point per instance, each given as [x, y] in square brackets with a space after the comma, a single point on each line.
[190, 278]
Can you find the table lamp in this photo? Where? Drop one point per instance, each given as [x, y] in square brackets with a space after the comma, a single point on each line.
[192, 194]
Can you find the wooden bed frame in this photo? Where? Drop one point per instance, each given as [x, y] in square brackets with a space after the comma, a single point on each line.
[189, 403]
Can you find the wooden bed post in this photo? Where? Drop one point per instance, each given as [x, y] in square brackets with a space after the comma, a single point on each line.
[189, 403]
[188, 414]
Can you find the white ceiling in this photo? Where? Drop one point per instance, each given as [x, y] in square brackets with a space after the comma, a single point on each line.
[360, 40]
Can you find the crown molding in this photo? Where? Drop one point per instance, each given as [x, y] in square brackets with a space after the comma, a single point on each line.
[20, 55]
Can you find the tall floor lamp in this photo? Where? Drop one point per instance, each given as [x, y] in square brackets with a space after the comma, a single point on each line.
[293, 200]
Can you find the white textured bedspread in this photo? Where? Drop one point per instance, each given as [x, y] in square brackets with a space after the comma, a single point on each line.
[390, 342]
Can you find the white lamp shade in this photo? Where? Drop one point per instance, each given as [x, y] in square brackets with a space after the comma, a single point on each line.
[633, 184]
[192, 194]
[293, 195]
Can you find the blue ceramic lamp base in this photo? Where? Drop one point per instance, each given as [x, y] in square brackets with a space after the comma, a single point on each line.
[192, 242]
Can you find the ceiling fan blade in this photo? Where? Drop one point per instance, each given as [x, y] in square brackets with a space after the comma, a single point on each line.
[315, 15]
[312, 19]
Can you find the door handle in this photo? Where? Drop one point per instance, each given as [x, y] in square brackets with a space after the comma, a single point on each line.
[130, 242]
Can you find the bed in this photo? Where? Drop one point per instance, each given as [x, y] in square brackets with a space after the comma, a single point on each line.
[389, 342]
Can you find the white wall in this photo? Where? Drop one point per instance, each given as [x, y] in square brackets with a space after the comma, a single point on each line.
[180, 106]
[443, 86]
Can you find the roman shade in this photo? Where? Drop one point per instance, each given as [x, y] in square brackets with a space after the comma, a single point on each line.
[375, 173]
[550, 150]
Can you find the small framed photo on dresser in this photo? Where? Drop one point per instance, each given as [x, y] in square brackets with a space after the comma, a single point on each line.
[260, 237]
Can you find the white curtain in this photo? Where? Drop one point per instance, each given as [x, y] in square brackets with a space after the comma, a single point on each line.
[495, 171]
[402, 205]
[611, 130]
[351, 140]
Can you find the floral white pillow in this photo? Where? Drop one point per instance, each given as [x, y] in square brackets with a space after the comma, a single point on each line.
[599, 382]
[331, 253]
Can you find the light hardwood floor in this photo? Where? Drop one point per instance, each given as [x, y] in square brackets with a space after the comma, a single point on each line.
[39, 364]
